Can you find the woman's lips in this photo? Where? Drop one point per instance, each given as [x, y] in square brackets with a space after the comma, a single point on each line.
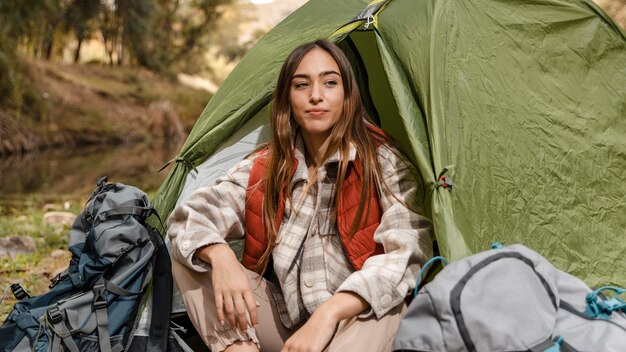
[316, 111]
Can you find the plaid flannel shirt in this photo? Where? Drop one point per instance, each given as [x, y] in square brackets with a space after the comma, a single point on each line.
[309, 260]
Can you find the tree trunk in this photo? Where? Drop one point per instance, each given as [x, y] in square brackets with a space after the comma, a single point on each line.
[77, 53]
[120, 51]
[48, 47]
[48, 41]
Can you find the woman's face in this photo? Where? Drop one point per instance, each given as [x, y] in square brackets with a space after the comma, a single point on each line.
[316, 94]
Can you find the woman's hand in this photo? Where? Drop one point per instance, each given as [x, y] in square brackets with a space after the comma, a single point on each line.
[317, 332]
[233, 296]
[313, 336]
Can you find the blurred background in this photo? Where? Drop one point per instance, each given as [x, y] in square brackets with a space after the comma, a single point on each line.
[102, 87]
[93, 87]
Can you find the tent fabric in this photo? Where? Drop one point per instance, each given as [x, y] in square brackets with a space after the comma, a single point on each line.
[521, 104]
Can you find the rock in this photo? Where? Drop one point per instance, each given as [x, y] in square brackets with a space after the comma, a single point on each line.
[14, 245]
[58, 254]
[22, 218]
[59, 217]
[163, 121]
[49, 207]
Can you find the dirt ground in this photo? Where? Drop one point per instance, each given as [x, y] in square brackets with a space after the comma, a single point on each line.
[99, 104]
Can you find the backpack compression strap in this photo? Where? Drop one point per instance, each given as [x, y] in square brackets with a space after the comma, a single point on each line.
[102, 318]
[60, 332]
[162, 286]
[142, 212]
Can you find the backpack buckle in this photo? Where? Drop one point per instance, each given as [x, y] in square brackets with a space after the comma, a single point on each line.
[19, 292]
[55, 280]
[58, 277]
[99, 303]
[99, 298]
[146, 212]
[102, 217]
[102, 180]
[54, 315]
[602, 309]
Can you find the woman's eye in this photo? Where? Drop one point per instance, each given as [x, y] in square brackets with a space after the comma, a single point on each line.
[301, 85]
[331, 83]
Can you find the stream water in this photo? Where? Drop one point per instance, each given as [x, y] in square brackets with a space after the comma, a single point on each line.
[70, 174]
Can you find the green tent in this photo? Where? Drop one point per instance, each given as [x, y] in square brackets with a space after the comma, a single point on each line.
[521, 103]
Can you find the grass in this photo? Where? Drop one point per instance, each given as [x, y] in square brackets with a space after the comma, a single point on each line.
[33, 270]
[83, 104]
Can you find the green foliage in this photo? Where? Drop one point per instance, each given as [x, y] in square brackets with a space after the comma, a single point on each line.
[189, 32]
[160, 35]
[32, 24]
[138, 20]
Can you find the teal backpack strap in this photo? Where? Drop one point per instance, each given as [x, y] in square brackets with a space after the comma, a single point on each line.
[423, 270]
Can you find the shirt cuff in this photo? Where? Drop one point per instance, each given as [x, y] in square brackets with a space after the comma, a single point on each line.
[382, 297]
[187, 251]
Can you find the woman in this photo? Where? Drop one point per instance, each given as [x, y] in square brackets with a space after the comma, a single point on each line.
[326, 210]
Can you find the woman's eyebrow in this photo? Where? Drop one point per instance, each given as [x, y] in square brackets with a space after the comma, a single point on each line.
[322, 74]
[331, 72]
[300, 75]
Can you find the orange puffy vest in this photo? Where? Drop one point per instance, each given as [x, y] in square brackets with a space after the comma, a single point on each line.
[358, 247]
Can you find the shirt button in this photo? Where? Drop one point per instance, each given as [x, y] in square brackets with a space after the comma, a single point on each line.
[308, 282]
[385, 301]
[185, 245]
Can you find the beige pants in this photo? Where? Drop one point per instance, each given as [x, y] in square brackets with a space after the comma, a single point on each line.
[352, 334]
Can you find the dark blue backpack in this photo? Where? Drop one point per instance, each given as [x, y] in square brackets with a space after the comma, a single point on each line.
[94, 305]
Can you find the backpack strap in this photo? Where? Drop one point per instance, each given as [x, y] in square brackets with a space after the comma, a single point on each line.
[546, 346]
[60, 332]
[113, 288]
[142, 212]
[102, 318]
[420, 275]
[565, 347]
[162, 286]
[556, 344]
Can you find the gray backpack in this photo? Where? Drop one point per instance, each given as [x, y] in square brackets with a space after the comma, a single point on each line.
[94, 304]
[511, 299]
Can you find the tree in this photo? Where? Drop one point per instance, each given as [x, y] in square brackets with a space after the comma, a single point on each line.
[158, 34]
[110, 28]
[81, 19]
[138, 19]
[194, 22]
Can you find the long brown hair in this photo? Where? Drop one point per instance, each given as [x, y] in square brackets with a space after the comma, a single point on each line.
[351, 128]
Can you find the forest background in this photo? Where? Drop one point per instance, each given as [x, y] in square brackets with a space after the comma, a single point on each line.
[101, 87]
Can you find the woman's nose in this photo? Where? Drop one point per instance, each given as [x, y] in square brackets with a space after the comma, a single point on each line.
[316, 94]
